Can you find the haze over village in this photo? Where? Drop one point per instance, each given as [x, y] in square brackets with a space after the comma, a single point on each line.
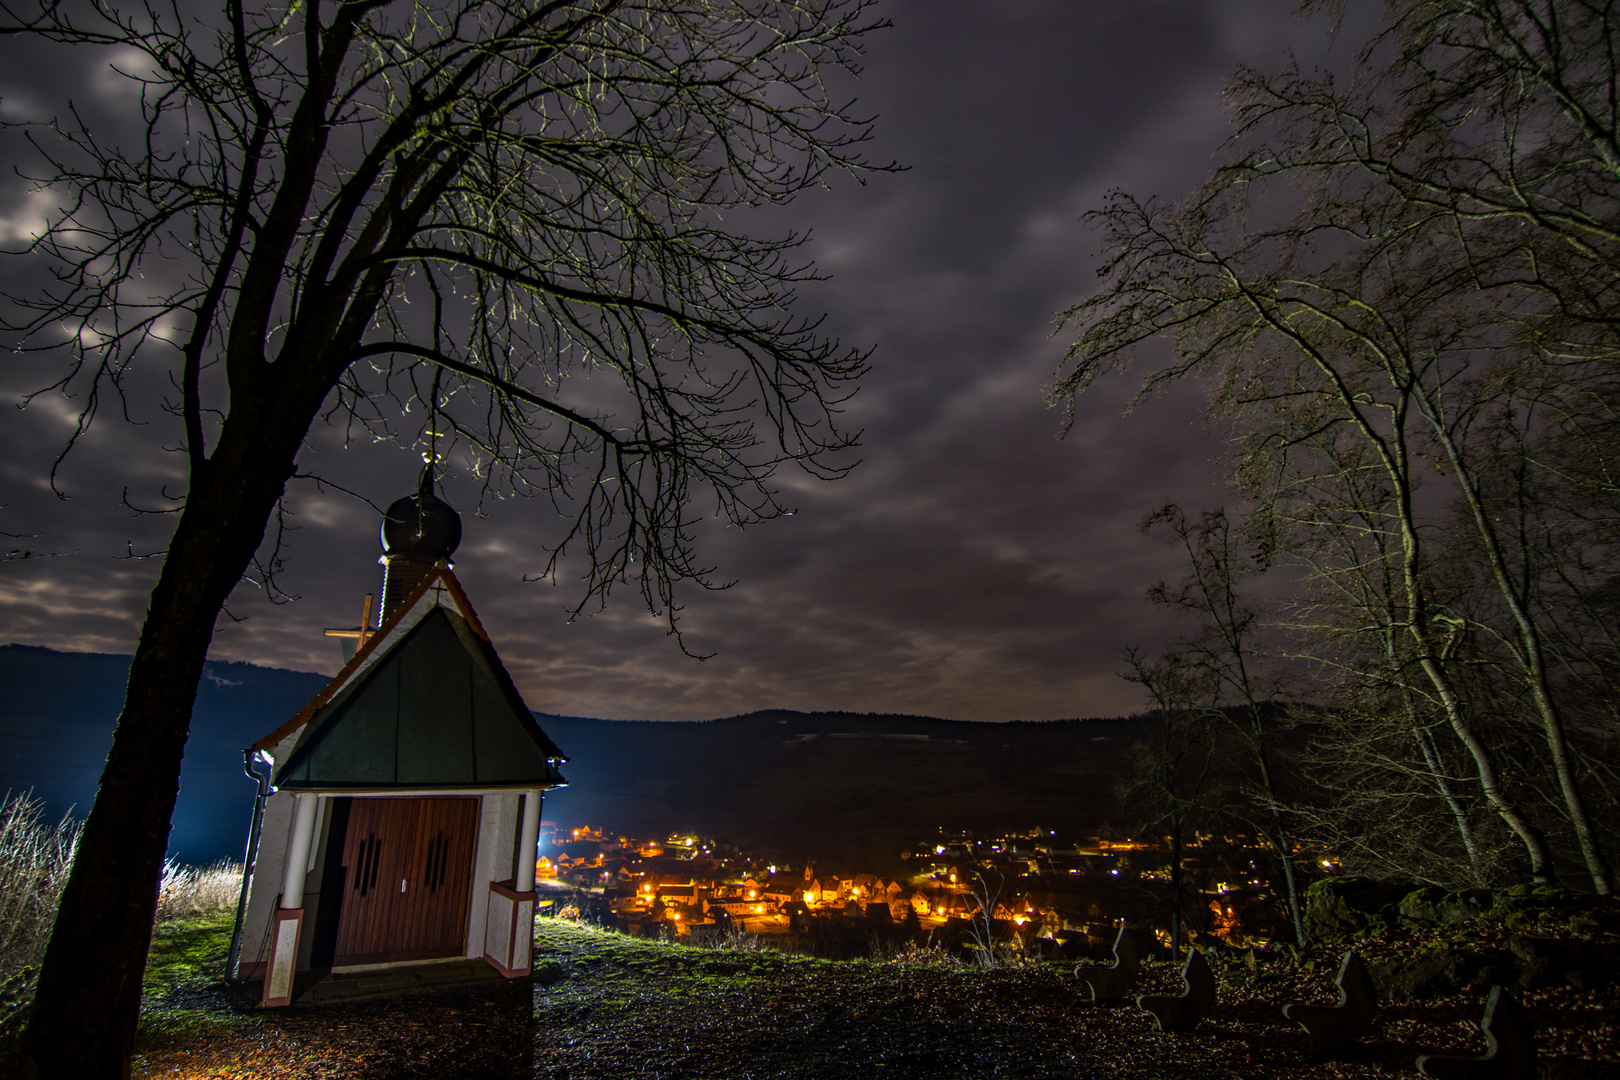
[746, 538]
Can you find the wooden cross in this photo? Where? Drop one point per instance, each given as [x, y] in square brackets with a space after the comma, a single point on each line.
[361, 635]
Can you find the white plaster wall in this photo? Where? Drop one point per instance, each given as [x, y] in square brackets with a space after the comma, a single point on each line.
[264, 886]
[269, 863]
[497, 832]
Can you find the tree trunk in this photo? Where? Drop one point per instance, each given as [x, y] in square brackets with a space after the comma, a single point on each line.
[1176, 904]
[89, 995]
[1277, 834]
[1530, 658]
[1436, 767]
[1283, 844]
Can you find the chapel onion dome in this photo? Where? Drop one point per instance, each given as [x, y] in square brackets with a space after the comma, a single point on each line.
[421, 525]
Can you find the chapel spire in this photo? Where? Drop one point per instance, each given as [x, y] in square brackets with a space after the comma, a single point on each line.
[417, 531]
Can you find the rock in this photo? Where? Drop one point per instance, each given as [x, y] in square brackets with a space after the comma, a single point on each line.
[1528, 908]
[1421, 907]
[1352, 907]
[1543, 962]
[1429, 973]
[1431, 906]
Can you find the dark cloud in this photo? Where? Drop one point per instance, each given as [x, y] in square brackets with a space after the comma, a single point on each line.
[974, 566]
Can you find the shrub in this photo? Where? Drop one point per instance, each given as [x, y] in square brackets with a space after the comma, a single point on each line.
[916, 954]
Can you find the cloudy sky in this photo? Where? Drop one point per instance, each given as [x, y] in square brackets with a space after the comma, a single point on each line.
[973, 567]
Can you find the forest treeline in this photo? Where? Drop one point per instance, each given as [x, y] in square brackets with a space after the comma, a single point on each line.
[1402, 291]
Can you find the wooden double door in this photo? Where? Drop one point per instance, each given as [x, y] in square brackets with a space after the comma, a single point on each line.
[407, 869]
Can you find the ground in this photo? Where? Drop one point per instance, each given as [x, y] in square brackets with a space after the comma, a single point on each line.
[605, 1005]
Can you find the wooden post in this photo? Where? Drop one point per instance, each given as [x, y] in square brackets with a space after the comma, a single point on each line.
[1115, 980]
[1334, 1029]
[1510, 1046]
[1183, 1011]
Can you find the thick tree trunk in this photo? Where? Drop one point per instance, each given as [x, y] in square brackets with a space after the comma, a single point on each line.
[89, 994]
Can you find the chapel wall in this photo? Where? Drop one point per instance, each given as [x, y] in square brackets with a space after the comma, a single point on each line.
[264, 884]
[497, 843]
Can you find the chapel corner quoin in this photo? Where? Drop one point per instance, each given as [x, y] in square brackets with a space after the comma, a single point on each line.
[399, 812]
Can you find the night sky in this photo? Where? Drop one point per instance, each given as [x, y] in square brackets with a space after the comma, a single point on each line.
[974, 566]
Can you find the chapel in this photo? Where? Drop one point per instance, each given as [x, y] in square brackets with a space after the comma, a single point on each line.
[398, 812]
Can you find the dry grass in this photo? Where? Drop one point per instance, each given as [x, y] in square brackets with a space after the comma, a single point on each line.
[35, 858]
[198, 890]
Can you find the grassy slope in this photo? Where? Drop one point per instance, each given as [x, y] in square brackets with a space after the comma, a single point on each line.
[605, 1005]
[183, 1002]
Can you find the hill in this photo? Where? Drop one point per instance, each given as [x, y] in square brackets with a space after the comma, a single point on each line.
[827, 784]
[57, 711]
[836, 784]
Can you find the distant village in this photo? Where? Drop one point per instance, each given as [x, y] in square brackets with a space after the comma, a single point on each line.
[1058, 895]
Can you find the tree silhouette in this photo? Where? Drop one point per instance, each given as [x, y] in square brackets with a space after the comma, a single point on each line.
[498, 228]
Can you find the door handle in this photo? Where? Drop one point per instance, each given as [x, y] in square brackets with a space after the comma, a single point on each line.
[401, 884]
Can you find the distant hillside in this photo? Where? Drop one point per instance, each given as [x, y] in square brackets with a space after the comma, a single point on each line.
[57, 711]
[836, 784]
[833, 784]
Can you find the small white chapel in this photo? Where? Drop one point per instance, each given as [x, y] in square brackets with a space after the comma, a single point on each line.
[398, 813]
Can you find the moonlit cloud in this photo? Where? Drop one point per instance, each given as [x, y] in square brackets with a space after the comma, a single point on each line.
[975, 566]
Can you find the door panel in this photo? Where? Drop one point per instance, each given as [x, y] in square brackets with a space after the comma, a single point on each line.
[408, 868]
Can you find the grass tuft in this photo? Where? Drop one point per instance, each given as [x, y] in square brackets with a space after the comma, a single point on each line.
[35, 858]
[198, 890]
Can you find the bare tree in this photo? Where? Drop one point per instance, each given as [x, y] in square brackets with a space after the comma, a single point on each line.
[982, 923]
[1169, 787]
[1494, 121]
[506, 222]
[1381, 750]
[1416, 295]
[1224, 649]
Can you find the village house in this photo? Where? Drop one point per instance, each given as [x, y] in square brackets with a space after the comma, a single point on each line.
[398, 812]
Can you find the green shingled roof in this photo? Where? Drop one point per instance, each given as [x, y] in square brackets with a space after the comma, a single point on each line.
[437, 710]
